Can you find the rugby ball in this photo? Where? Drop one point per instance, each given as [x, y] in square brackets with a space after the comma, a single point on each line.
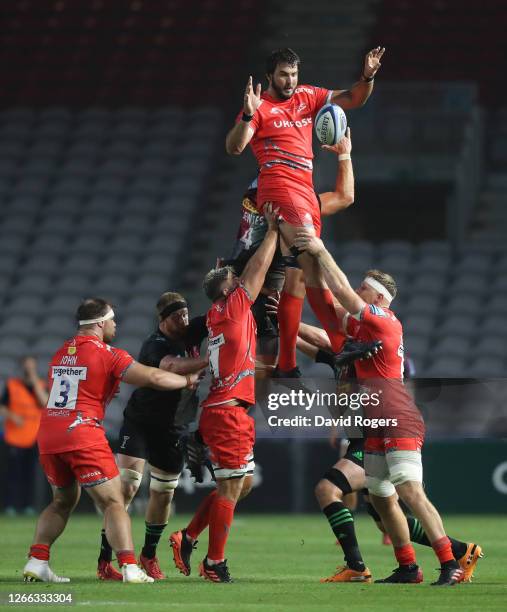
[330, 124]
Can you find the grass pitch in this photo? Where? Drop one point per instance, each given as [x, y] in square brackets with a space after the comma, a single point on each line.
[276, 561]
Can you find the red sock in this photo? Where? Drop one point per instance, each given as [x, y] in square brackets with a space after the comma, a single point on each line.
[289, 317]
[405, 555]
[39, 551]
[126, 557]
[221, 515]
[201, 518]
[443, 549]
[321, 301]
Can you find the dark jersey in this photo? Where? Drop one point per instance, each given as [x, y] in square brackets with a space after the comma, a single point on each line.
[159, 407]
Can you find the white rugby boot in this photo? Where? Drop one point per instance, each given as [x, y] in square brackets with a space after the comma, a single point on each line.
[133, 573]
[37, 570]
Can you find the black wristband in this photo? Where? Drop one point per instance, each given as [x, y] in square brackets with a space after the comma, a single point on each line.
[247, 118]
[367, 79]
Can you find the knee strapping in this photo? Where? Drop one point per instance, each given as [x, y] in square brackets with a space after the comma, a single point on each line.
[163, 483]
[131, 477]
[339, 480]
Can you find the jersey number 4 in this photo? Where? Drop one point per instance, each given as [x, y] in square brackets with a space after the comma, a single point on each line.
[214, 345]
[65, 387]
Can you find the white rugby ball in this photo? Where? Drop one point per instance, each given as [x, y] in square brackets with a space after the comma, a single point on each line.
[330, 124]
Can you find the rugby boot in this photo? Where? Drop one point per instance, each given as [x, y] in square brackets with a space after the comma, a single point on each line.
[151, 567]
[469, 560]
[37, 570]
[346, 574]
[218, 572]
[106, 571]
[450, 574]
[134, 574]
[404, 574]
[182, 550]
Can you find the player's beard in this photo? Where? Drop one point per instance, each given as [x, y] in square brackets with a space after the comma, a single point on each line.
[280, 92]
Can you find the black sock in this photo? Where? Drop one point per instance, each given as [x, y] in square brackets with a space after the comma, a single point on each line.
[151, 540]
[341, 522]
[418, 535]
[106, 552]
[324, 357]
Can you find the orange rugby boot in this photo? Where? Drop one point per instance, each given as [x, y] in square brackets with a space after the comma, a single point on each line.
[345, 574]
[469, 560]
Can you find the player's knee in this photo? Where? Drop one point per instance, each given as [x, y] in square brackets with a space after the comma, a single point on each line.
[163, 483]
[326, 492]
[412, 493]
[246, 488]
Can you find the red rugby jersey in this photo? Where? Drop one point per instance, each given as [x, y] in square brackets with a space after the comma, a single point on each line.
[378, 323]
[84, 375]
[383, 373]
[231, 349]
[283, 132]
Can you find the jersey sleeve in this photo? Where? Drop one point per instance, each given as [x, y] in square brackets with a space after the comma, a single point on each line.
[238, 303]
[350, 326]
[152, 353]
[120, 360]
[375, 318]
[321, 96]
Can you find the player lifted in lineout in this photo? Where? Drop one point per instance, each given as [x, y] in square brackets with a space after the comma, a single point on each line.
[277, 123]
[84, 375]
[250, 235]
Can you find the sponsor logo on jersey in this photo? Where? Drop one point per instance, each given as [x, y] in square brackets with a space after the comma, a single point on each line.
[216, 341]
[376, 310]
[301, 107]
[250, 206]
[305, 89]
[275, 110]
[68, 360]
[288, 124]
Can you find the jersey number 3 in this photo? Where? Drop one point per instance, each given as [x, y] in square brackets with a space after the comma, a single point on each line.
[65, 387]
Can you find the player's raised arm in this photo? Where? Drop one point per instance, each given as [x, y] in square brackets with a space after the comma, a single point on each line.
[343, 194]
[255, 271]
[360, 92]
[337, 281]
[241, 134]
[145, 376]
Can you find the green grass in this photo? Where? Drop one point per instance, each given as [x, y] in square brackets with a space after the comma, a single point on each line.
[276, 562]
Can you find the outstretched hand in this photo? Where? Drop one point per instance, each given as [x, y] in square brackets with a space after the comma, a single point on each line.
[344, 145]
[252, 99]
[372, 61]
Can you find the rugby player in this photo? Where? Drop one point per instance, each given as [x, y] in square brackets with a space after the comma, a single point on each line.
[149, 432]
[84, 375]
[225, 425]
[344, 479]
[284, 272]
[392, 462]
[278, 125]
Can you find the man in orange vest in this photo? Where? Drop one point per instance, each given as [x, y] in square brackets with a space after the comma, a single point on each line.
[21, 406]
